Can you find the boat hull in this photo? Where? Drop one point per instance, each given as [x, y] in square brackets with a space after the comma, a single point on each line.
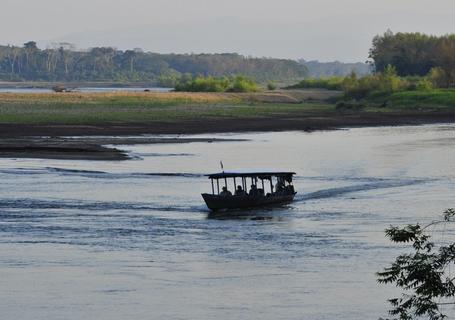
[217, 203]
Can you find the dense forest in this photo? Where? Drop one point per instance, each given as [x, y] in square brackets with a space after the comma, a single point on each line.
[318, 69]
[416, 54]
[64, 63]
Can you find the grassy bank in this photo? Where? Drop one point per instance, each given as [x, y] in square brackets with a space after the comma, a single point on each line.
[100, 108]
[386, 91]
[211, 111]
[438, 98]
[423, 101]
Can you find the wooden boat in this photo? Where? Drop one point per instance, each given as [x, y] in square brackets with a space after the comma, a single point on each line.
[262, 191]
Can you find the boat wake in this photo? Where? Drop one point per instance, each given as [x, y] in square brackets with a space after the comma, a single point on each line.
[98, 174]
[337, 192]
[107, 175]
[65, 204]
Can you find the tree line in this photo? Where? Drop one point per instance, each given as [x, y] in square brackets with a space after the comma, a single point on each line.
[64, 63]
[416, 54]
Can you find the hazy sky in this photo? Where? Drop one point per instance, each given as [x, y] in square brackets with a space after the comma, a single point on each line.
[310, 29]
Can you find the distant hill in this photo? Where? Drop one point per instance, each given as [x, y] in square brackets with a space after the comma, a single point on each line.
[64, 63]
[318, 69]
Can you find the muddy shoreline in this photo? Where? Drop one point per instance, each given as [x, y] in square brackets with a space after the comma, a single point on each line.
[54, 142]
[83, 148]
[279, 122]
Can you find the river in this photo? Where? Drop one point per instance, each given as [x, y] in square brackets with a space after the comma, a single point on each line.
[87, 90]
[133, 239]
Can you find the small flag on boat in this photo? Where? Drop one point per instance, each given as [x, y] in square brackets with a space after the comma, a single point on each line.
[222, 166]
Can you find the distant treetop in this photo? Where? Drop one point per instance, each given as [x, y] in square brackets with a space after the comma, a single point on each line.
[413, 54]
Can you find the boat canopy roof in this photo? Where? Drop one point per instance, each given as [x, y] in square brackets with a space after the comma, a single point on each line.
[260, 174]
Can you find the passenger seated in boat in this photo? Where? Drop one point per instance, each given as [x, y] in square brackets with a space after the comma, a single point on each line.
[289, 189]
[225, 192]
[240, 191]
[254, 190]
[280, 185]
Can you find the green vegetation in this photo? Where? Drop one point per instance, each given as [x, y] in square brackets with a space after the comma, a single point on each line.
[242, 84]
[436, 98]
[416, 54]
[332, 83]
[271, 86]
[424, 274]
[387, 89]
[202, 84]
[64, 63]
[209, 84]
[382, 83]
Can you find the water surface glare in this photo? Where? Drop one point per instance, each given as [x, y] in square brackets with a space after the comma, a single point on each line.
[133, 239]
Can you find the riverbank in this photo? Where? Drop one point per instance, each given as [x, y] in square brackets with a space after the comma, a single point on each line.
[49, 142]
[305, 121]
[84, 148]
[24, 117]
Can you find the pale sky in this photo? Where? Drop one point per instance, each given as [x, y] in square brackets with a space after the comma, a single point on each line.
[312, 29]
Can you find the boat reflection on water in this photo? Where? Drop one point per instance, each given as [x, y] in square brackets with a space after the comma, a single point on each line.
[270, 214]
